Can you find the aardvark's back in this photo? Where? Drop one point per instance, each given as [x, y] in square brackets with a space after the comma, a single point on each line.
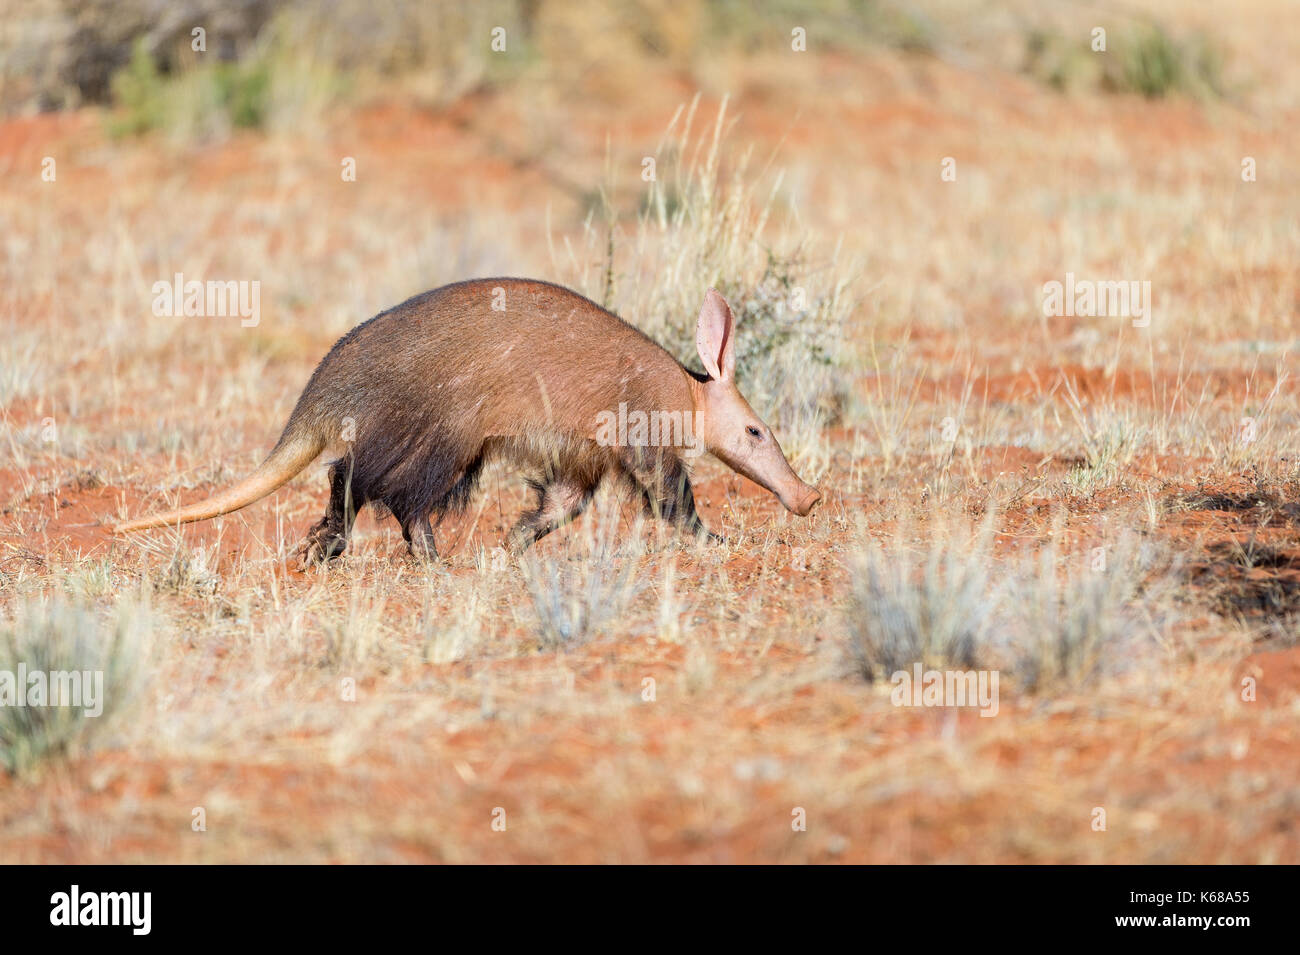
[494, 357]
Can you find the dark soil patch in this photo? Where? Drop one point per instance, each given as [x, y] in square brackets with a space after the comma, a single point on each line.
[1267, 507]
[1252, 581]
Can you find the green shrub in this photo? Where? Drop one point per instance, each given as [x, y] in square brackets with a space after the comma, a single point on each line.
[1153, 64]
[215, 97]
[1144, 59]
[140, 90]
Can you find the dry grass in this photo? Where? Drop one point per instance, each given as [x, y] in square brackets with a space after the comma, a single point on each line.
[623, 693]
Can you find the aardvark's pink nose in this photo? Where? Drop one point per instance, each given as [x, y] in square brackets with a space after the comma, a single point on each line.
[805, 502]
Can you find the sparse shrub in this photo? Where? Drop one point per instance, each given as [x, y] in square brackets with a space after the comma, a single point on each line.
[1143, 58]
[243, 92]
[1148, 63]
[1101, 466]
[203, 103]
[138, 88]
[934, 611]
[1063, 630]
[1151, 62]
[20, 368]
[1059, 62]
[353, 638]
[888, 406]
[451, 636]
[838, 23]
[91, 578]
[1048, 627]
[59, 637]
[1111, 439]
[188, 572]
[575, 597]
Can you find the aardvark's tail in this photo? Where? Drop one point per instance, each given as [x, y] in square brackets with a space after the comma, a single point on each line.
[290, 456]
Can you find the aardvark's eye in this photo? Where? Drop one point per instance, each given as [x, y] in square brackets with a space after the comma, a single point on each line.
[754, 432]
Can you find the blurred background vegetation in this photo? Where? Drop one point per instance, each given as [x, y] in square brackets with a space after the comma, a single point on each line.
[269, 61]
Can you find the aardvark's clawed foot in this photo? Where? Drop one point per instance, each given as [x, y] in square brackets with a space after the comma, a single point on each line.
[322, 545]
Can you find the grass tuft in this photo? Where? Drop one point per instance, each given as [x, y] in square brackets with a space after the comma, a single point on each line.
[575, 596]
[67, 644]
[934, 610]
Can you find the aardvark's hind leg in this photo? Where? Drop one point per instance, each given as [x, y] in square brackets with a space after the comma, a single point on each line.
[329, 538]
[559, 501]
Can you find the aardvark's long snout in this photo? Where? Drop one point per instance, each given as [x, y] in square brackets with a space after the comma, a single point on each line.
[803, 500]
[773, 472]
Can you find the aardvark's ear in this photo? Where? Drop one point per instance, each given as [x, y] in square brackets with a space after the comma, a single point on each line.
[715, 336]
